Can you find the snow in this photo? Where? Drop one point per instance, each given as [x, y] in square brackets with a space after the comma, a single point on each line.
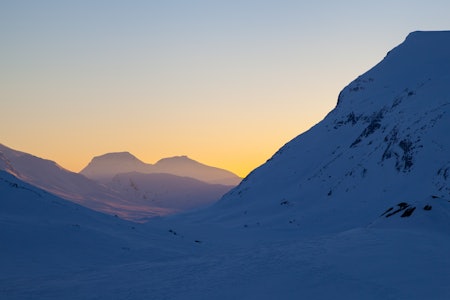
[167, 191]
[150, 195]
[114, 259]
[317, 221]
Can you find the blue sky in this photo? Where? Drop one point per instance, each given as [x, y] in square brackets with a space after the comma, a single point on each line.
[224, 82]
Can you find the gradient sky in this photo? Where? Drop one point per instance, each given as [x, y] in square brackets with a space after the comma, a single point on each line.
[225, 82]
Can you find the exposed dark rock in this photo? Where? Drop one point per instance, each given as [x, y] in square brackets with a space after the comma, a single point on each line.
[387, 210]
[444, 172]
[401, 206]
[352, 118]
[408, 212]
[285, 202]
[374, 125]
[404, 158]
[407, 158]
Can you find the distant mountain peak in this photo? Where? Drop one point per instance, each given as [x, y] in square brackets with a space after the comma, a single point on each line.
[125, 155]
[105, 166]
[176, 157]
[176, 160]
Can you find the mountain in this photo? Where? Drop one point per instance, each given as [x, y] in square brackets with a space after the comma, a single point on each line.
[103, 168]
[172, 185]
[51, 177]
[131, 196]
[384, 148]
[184, 166]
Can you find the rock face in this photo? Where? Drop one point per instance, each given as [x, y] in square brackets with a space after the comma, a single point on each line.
[385, 143]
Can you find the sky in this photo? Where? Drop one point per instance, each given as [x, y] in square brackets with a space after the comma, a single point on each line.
[225, 82]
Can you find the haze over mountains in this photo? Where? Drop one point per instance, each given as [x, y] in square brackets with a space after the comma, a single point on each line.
[105, 167]
[358, 207]
[153, 194]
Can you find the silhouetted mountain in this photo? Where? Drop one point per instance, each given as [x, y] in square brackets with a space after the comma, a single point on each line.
[184, 166]
[113, 197]
[103, 168]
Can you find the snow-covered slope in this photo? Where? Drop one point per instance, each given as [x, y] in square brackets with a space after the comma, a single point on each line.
[54, 249]
[40, 229]
[45, 238]
[49, 176]
[103, 168]
[166, 191]
[385, 143]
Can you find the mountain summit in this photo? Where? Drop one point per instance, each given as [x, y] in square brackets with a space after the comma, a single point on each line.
[184, 166]
[384, 148]
[103, 168]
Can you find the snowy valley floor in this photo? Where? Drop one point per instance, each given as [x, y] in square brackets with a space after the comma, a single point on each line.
[240, 264]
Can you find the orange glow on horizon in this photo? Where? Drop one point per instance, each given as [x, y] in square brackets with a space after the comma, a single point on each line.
[228, 95]
[239, 154]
